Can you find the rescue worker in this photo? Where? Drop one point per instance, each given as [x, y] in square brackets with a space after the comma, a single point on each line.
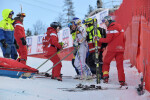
[91, 58]
[115, 49]
[73, 33]
[7, 35]
[20, 37]
[51, 46]
[81, 43]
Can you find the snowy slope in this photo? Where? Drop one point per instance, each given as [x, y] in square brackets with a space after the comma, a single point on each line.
[47, 89]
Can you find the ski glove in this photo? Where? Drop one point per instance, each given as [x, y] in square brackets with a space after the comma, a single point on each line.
[96, 38]
[4, 43]
[23, 41]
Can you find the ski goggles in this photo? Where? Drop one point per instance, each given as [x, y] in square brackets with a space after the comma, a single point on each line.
[69, 25]
[11, 13]
[104, 20]
[23, 14]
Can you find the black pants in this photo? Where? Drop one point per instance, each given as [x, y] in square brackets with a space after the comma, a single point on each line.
[91, 62]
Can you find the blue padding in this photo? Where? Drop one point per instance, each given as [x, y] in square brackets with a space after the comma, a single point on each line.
[13, 74]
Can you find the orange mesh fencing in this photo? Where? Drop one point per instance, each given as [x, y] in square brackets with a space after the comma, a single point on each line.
[134, 16]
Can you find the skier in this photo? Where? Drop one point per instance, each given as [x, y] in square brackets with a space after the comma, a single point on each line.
[7, 35]
[81, 43]
[51, 46]
[20, 37]
[101, 33]
[73, 33]
[115, 49]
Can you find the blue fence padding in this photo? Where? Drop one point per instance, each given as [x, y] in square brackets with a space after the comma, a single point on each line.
[13, 74]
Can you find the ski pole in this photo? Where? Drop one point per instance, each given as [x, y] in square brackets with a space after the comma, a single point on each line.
[60, 61]
[49, 58]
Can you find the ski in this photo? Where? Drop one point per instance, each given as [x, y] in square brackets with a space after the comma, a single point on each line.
[96, 53]
[47, 75]
[82, 88]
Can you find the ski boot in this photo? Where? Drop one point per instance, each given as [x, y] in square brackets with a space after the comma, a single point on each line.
[105, 79]
[89, 77]
[47, 75]
[59, 78]
[122, 83]
[79, 85]
[77, 77]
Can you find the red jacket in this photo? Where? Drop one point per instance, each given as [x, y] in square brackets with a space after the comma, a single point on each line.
[50, 42]
[114, 38]
[19, 30]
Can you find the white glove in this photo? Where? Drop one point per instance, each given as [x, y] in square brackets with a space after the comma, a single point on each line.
[75, 43]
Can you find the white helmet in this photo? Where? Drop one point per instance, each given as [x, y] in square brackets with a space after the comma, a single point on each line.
[76, 20]
[106, 18]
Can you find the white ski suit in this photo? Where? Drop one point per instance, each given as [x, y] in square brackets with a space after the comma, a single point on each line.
[80, 57]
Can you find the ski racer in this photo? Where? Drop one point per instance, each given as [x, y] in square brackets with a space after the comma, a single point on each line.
[7, 35]
[82, 48]
[73, 33]
[20, 37]
[101, 33]
[51, 46]
[115, 49]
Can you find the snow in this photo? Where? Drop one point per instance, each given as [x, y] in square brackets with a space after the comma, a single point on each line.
[47, 89]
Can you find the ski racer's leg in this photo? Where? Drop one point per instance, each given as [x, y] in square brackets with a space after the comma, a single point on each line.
[119, 61]
[83, 51]
[101, 63]
[106, 63]
[77, 63]
[73, 60]
[57, 69]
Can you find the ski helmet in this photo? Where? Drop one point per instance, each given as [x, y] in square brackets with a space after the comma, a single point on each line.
[89, 21]
[21, 15]
[55, 25]
[76, 20]
[106, 18]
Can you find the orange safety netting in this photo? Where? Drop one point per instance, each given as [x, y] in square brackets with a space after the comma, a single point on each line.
[134, 16]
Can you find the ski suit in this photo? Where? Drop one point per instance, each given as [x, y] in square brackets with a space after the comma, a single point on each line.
[115, 49]
[73, 33]
[19, 33]
[51, 46]
[81, 52]
[91, 58]
[7, 35]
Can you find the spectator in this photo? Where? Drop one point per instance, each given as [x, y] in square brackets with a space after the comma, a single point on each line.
[7, 35]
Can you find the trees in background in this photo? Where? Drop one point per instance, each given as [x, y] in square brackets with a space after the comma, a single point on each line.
[68, 13]
[39, 28]
[28, 32]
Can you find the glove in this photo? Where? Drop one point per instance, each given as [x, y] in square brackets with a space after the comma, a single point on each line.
[76, 43]
[61, 43]
[4, 43]
[16, 45]
[96, 38]
[23, 41]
